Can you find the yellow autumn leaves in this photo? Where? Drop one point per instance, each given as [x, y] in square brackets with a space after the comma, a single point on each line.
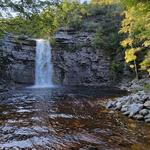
[136, 25]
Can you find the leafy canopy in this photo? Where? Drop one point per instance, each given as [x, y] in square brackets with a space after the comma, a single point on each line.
[136, 25]
[40, 18]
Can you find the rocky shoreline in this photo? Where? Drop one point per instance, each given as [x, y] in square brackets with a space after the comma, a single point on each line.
[136, 105]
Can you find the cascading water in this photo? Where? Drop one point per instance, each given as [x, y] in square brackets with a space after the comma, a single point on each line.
[44, 67]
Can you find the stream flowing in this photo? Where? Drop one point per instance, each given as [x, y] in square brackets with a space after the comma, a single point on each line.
[67, 118]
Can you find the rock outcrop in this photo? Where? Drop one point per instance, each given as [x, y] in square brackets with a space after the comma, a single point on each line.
[76, 61]
[17, 55]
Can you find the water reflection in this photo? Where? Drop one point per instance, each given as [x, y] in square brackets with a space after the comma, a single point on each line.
[67, 118]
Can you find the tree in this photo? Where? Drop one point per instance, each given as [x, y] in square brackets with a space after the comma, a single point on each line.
[104, 2]
[136, 25]
[40, 19]
[25, 7]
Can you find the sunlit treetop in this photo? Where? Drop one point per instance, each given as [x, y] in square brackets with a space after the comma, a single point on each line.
[40, 19]
[104, 2]
[24, 7]
[136, 25]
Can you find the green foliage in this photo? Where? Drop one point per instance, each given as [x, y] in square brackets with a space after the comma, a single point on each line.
[24, 8]
[46, 21]
[147, 87]
[76, 22]
[145, 64]
[116, 69]
[136, 25]
[90, 26]
[109, 14]
[106, 36]
[106, 40]
[72, 13]
[43, 18]
[104, 2]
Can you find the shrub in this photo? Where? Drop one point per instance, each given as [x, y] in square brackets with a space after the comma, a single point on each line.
[116, 69]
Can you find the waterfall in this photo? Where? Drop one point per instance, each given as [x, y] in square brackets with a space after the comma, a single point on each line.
[43, 64]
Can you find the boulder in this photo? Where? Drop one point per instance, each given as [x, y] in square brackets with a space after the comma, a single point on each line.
[134, 108]
[124, 109]
[144, 112]
[138, 117]
[110, 104]
[147, 120]
[147, 116]
[126, 113]
[147, 104]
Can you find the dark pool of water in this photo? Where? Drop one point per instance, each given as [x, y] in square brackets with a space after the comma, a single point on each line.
[67, 118]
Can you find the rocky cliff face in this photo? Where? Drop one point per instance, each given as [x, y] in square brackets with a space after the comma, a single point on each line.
[17, 57]
[76, 62]
[84, 54]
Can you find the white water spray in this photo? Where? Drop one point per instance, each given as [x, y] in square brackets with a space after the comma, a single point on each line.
[43, 64]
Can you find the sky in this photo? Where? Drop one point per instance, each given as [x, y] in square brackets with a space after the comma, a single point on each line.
[84, 1]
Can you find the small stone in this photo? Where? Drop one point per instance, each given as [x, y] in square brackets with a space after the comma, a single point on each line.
[147, 120]
[118, 106]
[147, 116]
[144, 97]
[135, 97]
[147, 104]
[89, 147]
[124, 106]
[124, 109]
[138, 117]
[126, 113]
[141, 93]
[110, 105]
[112, 112]
[131, 114]
[134, 108]
[128, 103]
[143, 112]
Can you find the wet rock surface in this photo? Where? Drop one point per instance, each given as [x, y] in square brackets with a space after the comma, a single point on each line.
[17, 56]
[76, 61]
[67, 118]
